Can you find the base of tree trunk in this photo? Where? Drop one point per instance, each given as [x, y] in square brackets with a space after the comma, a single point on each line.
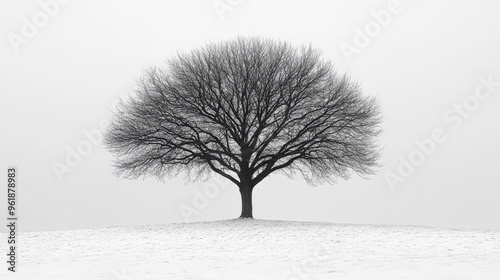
[246, 203]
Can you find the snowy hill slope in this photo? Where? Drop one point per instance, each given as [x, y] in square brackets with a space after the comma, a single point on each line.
[257, 249]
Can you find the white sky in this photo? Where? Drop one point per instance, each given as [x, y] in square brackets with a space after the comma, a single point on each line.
[426, 59]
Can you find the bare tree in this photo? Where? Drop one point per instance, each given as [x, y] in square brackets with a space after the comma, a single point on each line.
[244, 109]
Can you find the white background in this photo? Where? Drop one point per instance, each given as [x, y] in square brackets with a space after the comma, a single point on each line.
[429, 56]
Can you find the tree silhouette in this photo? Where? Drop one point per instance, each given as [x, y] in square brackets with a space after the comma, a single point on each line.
[244, 109]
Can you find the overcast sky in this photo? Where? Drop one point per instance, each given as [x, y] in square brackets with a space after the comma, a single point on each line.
[433, 66]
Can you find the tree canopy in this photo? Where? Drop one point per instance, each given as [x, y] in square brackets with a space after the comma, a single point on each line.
[244, 109]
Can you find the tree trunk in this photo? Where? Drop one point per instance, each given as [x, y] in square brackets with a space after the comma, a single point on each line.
[246, 201]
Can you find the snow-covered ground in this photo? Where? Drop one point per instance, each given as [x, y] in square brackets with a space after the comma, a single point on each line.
[257, 249]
